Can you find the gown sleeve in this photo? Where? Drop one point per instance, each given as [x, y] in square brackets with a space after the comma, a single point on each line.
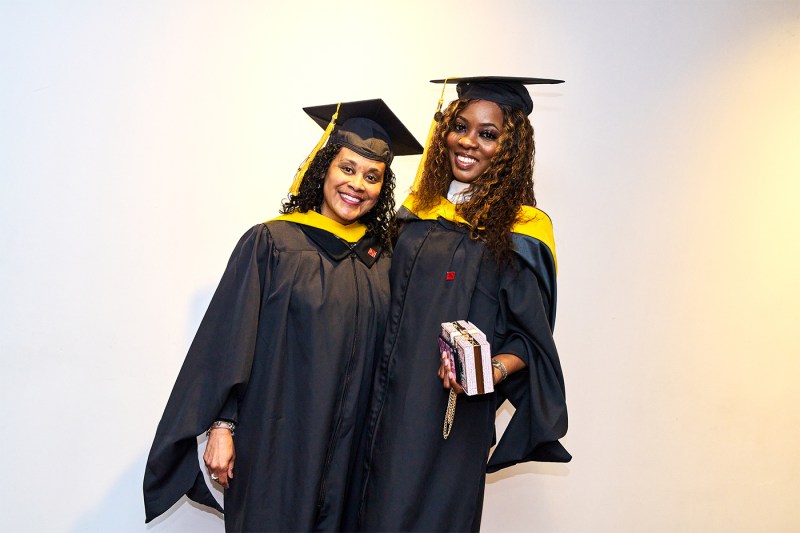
[524, 328]
[212, 379]
[230, 411]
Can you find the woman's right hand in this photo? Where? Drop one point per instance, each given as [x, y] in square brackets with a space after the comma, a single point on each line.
[448, 375]
[220, 455]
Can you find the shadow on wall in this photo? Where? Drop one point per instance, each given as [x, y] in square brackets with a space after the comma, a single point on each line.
[547, 469]
[197, 310]
[122, 508]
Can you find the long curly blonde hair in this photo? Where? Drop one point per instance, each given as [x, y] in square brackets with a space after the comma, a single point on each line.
[498, 193]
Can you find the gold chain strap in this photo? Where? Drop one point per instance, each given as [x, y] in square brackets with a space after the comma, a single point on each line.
[450, 414]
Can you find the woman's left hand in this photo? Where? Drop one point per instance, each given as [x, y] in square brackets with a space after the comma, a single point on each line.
[448, 375]
[220, 456]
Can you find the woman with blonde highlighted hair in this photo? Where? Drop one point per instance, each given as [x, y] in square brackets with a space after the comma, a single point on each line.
[471, 245]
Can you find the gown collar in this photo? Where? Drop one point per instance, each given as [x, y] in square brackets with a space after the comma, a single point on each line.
[531, 222]
[350, 233]
[337, 240]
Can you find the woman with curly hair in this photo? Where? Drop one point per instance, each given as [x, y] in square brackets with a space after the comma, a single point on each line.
[286, 352]
[471, 245]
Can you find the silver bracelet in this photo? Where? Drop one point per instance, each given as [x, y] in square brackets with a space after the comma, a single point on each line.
[502, 368]
[230, 426]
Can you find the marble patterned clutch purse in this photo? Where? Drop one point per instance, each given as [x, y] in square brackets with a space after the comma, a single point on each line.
[470, 355]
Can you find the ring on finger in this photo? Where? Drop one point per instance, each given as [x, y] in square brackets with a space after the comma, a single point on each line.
[214, 477]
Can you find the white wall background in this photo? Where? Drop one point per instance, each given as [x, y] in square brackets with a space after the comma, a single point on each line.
[138, 140]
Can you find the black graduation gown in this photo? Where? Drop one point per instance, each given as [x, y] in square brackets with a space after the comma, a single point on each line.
[287, 349]
[414, 479]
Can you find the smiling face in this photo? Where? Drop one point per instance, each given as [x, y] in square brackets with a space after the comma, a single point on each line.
[352, 186]
[473, 140]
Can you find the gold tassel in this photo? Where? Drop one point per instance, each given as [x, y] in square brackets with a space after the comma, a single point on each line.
[436, 118]
[301, 171]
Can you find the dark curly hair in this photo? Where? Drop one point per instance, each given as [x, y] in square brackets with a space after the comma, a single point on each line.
[310, 198]
[498, 193]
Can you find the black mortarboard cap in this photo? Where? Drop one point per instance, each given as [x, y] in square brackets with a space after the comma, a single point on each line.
[506, 90]
[368, 127]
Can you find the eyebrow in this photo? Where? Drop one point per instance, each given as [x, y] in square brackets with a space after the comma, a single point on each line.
[492, 124]
[352, 163]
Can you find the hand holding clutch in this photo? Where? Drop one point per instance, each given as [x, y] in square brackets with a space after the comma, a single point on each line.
[448, 374]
